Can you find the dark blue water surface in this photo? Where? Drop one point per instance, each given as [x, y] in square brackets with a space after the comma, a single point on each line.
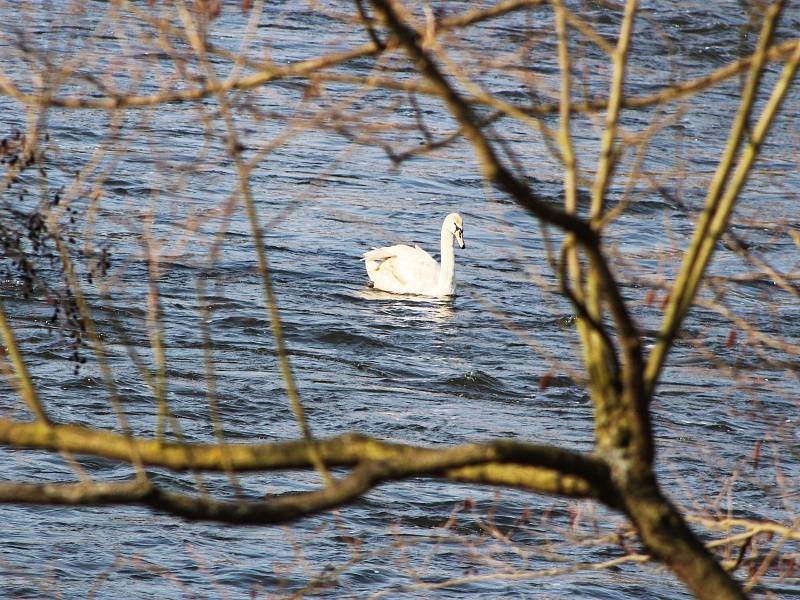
[420, 371]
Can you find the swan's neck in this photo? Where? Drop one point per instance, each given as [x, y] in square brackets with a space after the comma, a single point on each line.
[447, 269]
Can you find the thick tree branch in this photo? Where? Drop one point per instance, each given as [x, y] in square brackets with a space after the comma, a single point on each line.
[534, 467]
[290, 507]
[84, 494]
[669, 538]
[498, 458]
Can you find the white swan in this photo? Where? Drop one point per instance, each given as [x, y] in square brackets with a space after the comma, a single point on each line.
[405, 269]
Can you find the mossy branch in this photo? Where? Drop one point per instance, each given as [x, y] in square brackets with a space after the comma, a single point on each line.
[535, 467]
[341, 451]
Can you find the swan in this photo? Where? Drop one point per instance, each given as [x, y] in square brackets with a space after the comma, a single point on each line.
[403, 269]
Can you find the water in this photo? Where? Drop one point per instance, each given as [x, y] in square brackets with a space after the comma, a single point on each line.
[425, 372]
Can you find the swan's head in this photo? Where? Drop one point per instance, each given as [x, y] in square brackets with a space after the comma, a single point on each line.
[455, 225]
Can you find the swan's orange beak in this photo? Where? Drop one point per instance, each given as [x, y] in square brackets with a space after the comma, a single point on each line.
[459, 233]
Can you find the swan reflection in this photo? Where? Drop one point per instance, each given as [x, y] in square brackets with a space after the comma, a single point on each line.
[411, 307]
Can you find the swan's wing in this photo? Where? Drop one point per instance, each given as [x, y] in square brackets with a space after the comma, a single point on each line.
[412, 256]
[398, 267]
[379, 254]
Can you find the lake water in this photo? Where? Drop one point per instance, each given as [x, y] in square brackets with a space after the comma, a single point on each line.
[420, 371]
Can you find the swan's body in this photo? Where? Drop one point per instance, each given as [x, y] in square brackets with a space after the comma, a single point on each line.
[405, 269]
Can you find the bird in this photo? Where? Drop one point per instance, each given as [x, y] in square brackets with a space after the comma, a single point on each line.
[403, 269]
